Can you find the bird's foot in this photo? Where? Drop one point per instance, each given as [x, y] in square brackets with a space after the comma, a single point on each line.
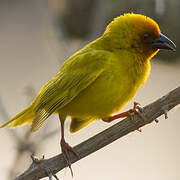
[140, 113]
[133, 111]
[123, 114]
[66, 148]
[128, 113]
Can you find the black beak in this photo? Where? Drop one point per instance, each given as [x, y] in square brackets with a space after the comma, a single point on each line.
[163, 43]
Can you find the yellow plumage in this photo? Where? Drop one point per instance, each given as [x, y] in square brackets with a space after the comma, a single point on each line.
[98, 80]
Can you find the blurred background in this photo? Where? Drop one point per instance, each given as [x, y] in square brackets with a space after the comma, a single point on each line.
[36, 37]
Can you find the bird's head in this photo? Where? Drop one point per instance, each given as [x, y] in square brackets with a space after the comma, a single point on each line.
[137, 32]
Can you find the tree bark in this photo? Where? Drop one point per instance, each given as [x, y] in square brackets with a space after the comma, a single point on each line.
[44, 168]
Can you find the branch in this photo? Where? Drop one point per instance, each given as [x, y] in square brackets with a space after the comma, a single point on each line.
[152, 111]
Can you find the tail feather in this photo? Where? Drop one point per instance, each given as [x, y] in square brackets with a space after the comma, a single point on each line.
[24, 117]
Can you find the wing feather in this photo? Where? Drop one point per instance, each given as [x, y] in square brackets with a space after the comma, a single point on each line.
[63, 88]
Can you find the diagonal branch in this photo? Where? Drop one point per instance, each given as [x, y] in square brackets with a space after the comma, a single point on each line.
[152, 111]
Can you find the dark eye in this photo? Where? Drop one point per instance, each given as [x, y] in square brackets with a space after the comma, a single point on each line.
[145, 36]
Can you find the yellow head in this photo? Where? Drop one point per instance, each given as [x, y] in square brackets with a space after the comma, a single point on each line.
[136, 32]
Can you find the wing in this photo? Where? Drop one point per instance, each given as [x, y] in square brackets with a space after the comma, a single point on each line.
[75, 75]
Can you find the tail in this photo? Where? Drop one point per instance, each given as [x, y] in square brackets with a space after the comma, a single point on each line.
[24, 117]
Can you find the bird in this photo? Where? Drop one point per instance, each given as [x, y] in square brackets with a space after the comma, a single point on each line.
[97, 81]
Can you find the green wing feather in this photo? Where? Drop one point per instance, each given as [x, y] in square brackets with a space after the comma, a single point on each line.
[75, 75]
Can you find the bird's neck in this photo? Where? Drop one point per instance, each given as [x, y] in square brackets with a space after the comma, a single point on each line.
[143, 54]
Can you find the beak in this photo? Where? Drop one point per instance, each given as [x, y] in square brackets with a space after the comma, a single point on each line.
[163, 43]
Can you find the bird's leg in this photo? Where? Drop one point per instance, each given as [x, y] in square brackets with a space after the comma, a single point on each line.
[124, 114]
[128, 113]
[66, 148]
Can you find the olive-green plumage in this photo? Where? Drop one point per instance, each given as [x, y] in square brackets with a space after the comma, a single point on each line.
[98, 80]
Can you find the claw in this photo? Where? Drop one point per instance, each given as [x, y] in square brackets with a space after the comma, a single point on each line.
[140, 109]
[128, 113]
[140, 112]
[136, 104]
[134, 111]
[66, 148]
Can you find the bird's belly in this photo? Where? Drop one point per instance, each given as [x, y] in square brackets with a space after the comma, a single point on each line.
[104, 97]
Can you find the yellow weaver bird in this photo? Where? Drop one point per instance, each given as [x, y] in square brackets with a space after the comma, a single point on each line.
[98, 80]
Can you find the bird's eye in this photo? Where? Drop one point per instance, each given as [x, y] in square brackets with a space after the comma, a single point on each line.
[145, 36]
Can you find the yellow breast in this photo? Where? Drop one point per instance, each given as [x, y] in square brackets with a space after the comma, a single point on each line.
[116, 86]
